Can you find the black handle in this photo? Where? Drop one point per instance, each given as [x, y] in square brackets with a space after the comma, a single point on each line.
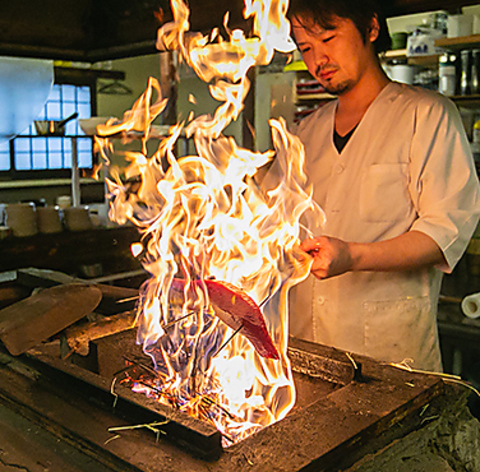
[63, 122]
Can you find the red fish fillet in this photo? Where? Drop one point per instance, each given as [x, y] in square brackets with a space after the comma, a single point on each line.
[238, 311]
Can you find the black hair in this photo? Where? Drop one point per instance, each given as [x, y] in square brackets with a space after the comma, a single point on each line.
[360, 12]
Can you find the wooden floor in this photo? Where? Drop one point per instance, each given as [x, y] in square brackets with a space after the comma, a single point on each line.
[25, 447]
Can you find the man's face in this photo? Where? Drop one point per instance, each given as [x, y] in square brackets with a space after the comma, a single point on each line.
[336, 57]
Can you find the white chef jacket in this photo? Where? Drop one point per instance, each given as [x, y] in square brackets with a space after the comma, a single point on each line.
[407, 166]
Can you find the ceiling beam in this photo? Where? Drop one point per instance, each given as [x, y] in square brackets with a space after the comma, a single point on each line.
[405, 7]
[97, 30]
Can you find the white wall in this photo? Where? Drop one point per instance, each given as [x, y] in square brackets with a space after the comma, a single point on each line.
[201, 103]
[137, 71]
[274, 98]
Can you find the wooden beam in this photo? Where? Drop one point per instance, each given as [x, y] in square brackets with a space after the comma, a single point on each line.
[73, 75]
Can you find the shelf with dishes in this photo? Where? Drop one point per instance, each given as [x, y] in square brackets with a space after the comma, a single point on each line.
[447, 44]
[308, 93]
[307, 88]
[396, 55]
[455, 71]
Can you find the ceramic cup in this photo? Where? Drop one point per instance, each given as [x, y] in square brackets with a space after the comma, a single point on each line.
[476, 24]
[21, 219]
[77, 219]
[48, 220]
[459, 25]
[64, 201]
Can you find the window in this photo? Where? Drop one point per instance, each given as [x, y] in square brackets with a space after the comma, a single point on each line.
[4, 156]
[29, 155]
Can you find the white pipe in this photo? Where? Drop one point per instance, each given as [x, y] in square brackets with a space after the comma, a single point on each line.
[471, 305]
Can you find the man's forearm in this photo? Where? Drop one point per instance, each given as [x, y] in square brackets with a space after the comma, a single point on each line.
[408, 251]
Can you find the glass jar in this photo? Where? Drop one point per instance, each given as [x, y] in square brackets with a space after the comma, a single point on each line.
[447, 80]
[466, 75]
[475, 75]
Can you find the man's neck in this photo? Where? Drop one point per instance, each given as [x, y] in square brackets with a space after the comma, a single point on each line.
[352, 105]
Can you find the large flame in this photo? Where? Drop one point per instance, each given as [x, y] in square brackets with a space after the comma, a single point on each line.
[203, 217]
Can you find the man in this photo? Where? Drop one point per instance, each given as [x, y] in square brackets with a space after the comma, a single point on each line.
[392, 169]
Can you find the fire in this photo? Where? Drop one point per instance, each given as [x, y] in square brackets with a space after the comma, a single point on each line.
[203, 218]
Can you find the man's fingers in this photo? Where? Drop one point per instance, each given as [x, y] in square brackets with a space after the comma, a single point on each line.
[309, 245]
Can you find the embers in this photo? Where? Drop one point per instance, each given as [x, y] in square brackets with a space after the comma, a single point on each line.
[143, 379]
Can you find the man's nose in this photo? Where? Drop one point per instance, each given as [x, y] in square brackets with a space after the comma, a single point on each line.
[320, 57]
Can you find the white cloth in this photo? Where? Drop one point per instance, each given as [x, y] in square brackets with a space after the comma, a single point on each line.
[407, 166]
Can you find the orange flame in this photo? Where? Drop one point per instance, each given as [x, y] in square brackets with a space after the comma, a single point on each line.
[204, 217]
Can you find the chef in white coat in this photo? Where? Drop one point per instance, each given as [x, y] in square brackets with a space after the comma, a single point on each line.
[391, 167]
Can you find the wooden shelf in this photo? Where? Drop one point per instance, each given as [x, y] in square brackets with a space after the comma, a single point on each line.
[314, 96]
[468, 101]
[461, 42]
[79, 75]
[393, 54]
[423, 60]
[430, 60]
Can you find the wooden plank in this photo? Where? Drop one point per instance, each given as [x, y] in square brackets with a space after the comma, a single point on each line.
[78, 337]
[11, 293]
[27, 447]
[114, 299]
[28, 322]
[459, 42]
[25, 391]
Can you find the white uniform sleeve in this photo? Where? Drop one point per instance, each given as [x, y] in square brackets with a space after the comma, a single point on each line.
[444, 185]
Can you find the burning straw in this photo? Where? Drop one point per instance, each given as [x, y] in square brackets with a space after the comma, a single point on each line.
[204, 219]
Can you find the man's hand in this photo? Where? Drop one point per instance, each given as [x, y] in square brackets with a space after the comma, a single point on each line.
[409, 251]
[331, 256]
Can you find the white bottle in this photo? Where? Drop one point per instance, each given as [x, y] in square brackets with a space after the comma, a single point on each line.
[447, 76]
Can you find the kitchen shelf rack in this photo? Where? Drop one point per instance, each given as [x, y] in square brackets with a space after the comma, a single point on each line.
[467, 101]
[314, 96]
[401, 54]
[452, 44]
[308, 94]
[462, 42]
[308, 89]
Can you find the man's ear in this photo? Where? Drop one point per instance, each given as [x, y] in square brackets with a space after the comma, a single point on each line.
[374, 29]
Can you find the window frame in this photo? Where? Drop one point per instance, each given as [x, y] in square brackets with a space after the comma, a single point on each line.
[62, 76]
